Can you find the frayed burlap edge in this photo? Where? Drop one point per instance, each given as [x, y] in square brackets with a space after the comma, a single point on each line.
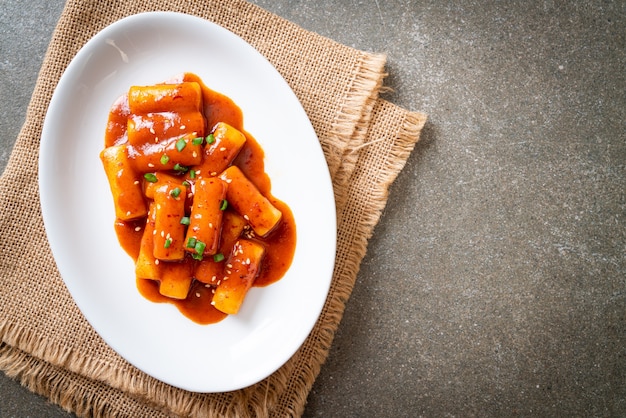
[72, 392]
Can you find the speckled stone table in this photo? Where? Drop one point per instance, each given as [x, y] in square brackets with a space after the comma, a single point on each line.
[495, 283]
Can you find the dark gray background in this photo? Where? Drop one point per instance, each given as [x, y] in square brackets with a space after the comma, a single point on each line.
[495, 283]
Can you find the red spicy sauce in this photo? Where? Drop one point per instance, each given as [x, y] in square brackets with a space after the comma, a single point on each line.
[279, 244]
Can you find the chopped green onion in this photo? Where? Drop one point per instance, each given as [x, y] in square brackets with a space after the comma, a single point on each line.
[185, 220]
[200, 246]
[192, 174]
[180, 168]
[168, 242]
[224, 204]
[210, 139]
[164, 159]
[197, 256]
[186, 184]
[181, 144]
[175, 192]
[151, 177]
[218, 257]
[191, 242]
[197, 141]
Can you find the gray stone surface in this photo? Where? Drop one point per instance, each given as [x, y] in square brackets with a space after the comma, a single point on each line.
[495, 283]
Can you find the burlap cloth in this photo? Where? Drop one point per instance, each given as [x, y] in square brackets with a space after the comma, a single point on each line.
[49, 347]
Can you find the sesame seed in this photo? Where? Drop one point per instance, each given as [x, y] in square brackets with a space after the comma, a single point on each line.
[194, 154]
[198, 216]
[208, 286]
[219, 282]
[223, 149]
[168, 236]
[154, 232]
[152, 130]
[213, 302]
[197, 171]
[229, 180]
[162, 234]
[137, 228]
[182, 127]
[230, 266]
[228, 272]
[136, 182]
[150, 165]
[127, 213]
[213, 291]
[246, 217]
[156, 261]
[214, 173]
[213, 278]
[247, 261]
[197, 294]
[210, 225]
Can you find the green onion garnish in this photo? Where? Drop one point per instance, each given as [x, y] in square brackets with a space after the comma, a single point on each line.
[196, 256]
[191, 242]
[180, 144]
[210, 139]
[192, 174]
[224, 204]
[185, 220]
[168, 242]
[164, 159]
[218, 257]
[175, 192]
[180, 168]
[151, 177]
[197, 141]
[200, 246]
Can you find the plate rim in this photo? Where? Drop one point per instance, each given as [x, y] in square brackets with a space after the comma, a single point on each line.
[46, 143]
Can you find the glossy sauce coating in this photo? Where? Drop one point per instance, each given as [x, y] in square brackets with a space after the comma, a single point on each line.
[279, 244]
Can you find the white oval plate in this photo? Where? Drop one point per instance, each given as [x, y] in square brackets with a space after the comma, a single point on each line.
[78, 209]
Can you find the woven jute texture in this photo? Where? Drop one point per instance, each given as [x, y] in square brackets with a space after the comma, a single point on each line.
[47, 344]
